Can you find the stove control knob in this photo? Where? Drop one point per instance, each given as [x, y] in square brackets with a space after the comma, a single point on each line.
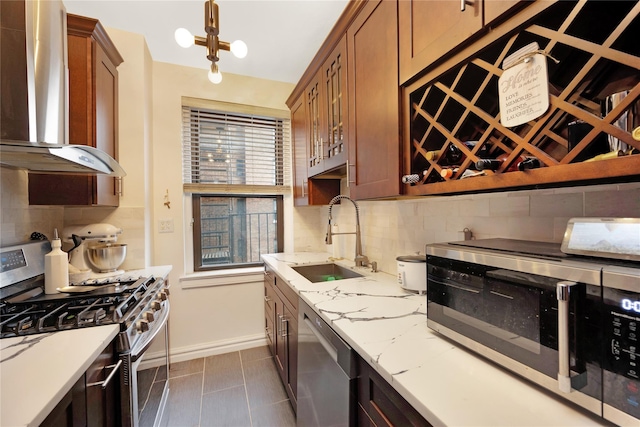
[142, 326]
[148, 315]
[163, 295]
[155, 305]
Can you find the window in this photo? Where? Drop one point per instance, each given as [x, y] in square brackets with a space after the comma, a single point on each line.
[235, 166]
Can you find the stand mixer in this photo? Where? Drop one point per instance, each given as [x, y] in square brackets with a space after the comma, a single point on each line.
[83, 237]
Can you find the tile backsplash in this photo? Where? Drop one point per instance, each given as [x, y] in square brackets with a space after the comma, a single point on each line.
[404, 227]
[18, 219]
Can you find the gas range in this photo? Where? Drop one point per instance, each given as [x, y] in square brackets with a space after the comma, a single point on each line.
[139, 305]
[128, 300]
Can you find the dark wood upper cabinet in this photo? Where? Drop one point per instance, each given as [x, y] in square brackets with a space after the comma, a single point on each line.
[326, 104]
[93, 117]
[374, 102]
[307, 191]
[430, 30]
[14, 109]
[335, 104]
[457, 103]
[299, 143]
[422, 76]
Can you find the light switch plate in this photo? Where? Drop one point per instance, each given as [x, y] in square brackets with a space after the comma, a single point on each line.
[165, 226]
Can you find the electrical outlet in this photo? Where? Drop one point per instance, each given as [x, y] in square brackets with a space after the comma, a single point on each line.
[166, 226]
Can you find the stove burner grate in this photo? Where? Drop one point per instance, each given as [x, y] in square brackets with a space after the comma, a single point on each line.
[48, 313]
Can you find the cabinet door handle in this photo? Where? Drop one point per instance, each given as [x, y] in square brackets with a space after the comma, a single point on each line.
[305, 183]
[119, 186]
[266, 299]
[463, 4]
[279, 331]
[285, 327]
[349, 166]
[104, 384]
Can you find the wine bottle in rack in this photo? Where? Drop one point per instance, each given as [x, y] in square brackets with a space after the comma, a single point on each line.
[452, 155]
[521, 163]
[529, 163]
[448, 172]
[488, 164]
[411, 179]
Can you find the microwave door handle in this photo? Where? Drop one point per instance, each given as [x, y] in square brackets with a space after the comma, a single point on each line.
[563, 294]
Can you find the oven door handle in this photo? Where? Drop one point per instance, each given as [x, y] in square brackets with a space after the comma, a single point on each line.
[451, 285]
[142, 347]
[104, 384]
[563, 294]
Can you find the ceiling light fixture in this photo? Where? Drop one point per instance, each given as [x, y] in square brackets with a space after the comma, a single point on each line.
[213, 44]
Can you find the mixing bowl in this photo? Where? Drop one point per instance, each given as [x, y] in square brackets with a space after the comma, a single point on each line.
[106, 257]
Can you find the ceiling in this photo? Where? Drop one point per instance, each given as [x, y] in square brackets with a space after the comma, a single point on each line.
[282, 35]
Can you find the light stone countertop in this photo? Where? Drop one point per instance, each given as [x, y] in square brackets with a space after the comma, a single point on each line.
[37, 371]
[444, 382]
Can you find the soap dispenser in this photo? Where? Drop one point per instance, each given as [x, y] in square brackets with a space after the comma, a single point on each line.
[56, 267]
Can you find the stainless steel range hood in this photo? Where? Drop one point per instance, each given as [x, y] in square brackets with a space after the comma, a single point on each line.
[47, 149]
[58, 158]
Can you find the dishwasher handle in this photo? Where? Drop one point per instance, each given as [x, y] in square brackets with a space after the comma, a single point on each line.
[323, 341]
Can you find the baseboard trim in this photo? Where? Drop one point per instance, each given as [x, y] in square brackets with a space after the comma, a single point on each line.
[182, 354]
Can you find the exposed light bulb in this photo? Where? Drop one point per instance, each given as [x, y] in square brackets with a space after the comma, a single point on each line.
[239, 49]
[214, 74]
[184, 38]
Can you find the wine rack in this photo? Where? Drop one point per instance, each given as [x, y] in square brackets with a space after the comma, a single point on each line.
[598, 52]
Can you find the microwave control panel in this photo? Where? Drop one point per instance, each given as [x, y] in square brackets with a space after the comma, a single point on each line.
[622, 364]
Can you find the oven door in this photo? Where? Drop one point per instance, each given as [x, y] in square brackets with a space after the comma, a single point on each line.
[146, 376]
[514, 318]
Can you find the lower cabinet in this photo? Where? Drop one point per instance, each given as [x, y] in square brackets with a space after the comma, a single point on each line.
[281, 327]
[103, 390]
[93, 400]
[379, 404]
[72, 409]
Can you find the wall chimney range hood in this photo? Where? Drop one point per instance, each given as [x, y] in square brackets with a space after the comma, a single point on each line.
[34, 128]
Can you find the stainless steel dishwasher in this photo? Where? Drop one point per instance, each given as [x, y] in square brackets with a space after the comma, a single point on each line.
[326, 373]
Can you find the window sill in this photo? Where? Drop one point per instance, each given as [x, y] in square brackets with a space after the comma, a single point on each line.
[231, 276]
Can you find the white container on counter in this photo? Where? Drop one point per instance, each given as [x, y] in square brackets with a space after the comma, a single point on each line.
[412, 272]
[56, 267]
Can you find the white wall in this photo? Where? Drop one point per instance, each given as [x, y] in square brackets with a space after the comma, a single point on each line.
[205, 320]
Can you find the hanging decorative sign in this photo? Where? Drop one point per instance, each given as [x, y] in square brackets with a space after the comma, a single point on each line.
[523, 88]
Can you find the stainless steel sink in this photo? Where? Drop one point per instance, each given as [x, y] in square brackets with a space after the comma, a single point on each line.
[325, 272]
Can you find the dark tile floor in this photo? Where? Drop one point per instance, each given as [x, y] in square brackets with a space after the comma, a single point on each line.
[239, 389]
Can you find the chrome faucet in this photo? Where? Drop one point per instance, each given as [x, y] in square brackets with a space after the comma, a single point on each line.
[360, 260]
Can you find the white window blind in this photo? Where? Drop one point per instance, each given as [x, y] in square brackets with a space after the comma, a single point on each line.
[227, 149]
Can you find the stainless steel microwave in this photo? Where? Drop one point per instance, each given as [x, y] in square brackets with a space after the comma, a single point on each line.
[570, 324]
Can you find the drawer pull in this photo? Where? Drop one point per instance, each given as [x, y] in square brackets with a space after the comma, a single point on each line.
[106, 382]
